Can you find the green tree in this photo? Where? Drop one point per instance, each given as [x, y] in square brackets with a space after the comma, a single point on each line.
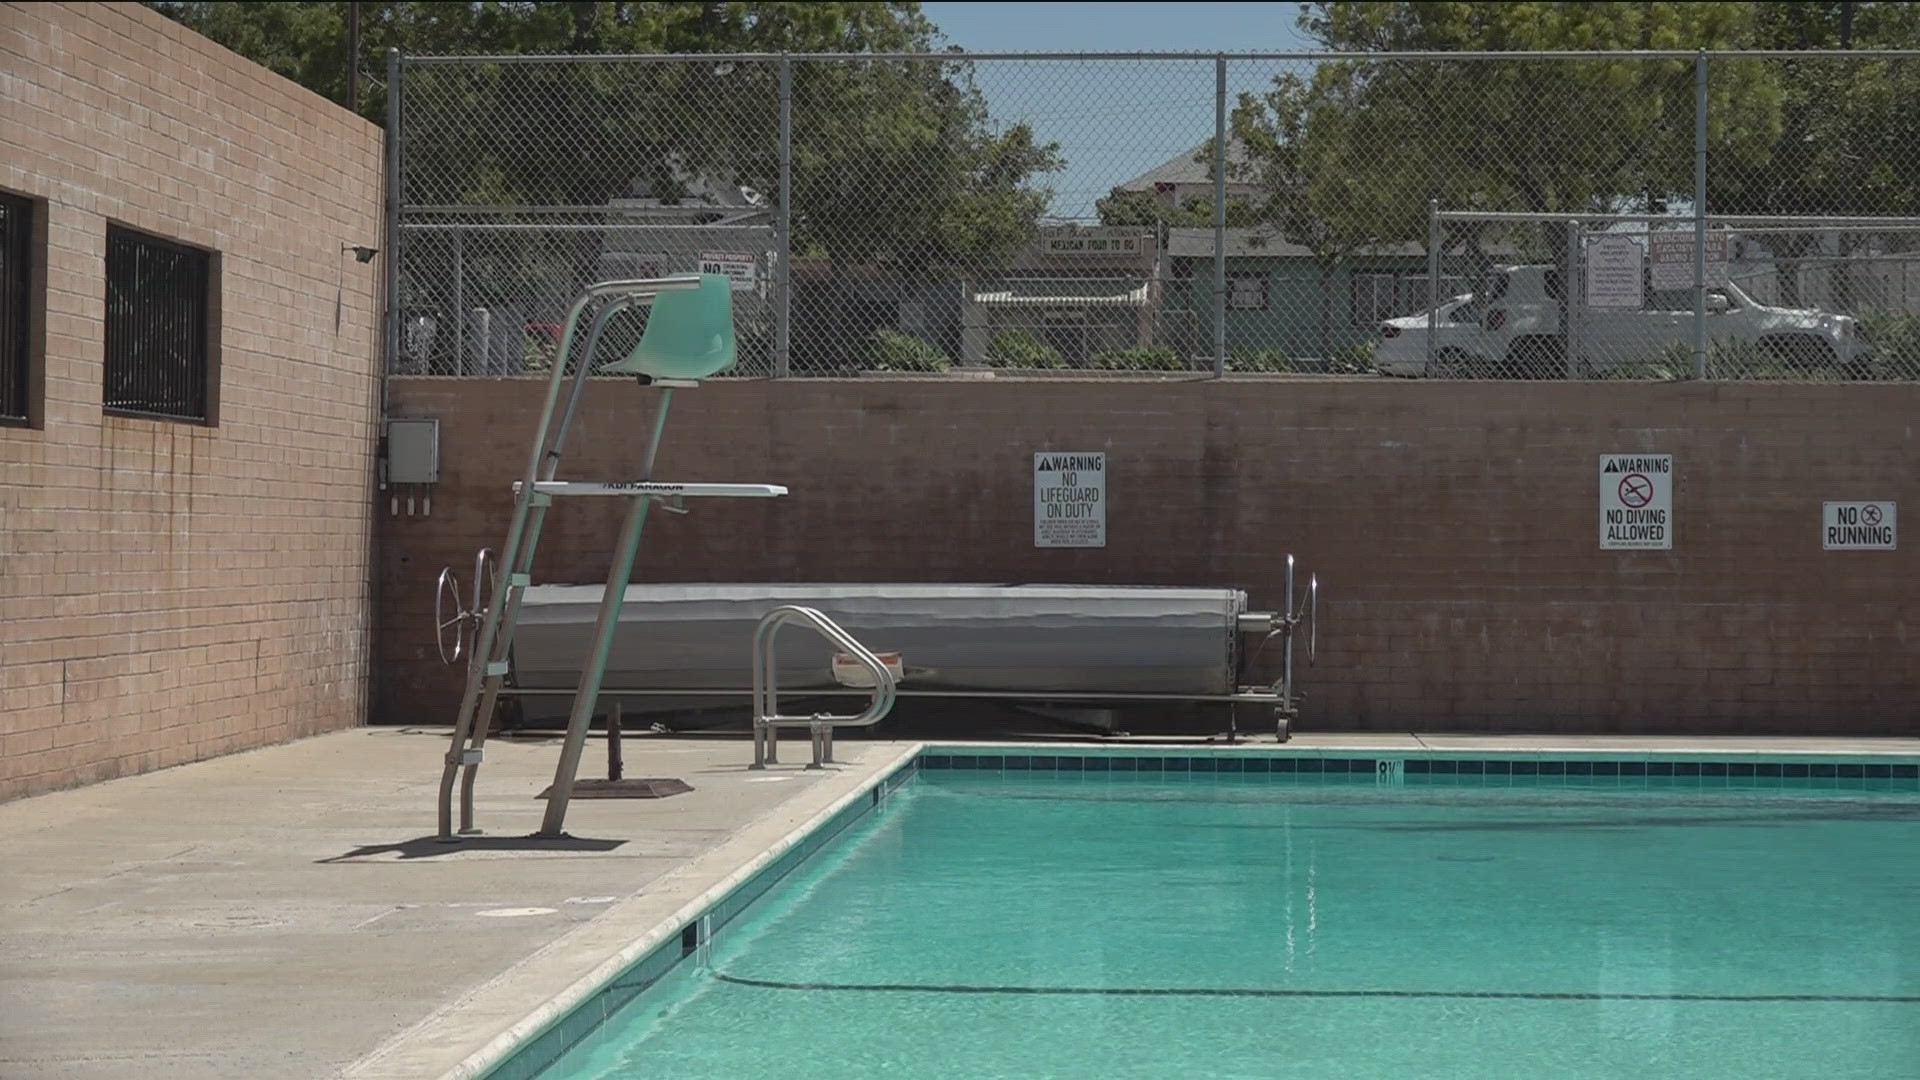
[895, 162]
[307, 41]
[1350, 152]
[1844, 123]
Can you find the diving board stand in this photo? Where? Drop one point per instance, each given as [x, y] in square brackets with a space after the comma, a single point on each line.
[689, 336]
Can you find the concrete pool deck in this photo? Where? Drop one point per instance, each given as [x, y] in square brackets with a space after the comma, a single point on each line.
[286, 912]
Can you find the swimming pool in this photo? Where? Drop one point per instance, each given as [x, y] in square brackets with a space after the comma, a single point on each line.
[1117, 915]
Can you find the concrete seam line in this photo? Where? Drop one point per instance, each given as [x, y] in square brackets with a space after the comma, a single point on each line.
[398, 1044]
[556, 1008]
[404, 1040]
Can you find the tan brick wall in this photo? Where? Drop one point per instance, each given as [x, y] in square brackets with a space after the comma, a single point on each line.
[1454, 525]
[171, 591]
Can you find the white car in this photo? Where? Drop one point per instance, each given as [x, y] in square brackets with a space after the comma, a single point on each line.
[1519, 334]
[1456, 340]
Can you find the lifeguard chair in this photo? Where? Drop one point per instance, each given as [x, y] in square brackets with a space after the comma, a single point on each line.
[688, 337]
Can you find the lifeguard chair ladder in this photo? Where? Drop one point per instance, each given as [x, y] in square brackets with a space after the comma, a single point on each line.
[688, 337]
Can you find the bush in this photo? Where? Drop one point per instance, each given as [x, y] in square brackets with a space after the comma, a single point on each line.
[1355, 359]
[1725, 360]
[894, 351]
[1019, 349]
[1146, 358]
[1272, 361]
[1895, 338]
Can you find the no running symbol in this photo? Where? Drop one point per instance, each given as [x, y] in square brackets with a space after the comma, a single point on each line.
[1636, 491]
[1870, 514]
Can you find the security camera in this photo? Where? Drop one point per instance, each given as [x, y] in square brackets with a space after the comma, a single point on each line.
[362, 254]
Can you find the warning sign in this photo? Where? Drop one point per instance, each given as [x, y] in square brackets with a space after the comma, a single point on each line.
[1636, 502]
[1069, 500]
[739, 269]
[1670, 259]
[1858, 526]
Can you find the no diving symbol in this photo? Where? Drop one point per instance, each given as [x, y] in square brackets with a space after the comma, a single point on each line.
[1870, 514]
[1636, 491]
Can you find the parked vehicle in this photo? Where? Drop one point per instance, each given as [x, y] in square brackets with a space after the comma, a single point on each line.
[1519, 331]
[1456, 340]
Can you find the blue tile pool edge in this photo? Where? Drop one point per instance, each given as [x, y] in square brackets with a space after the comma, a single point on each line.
[531, 1055]
[528, 1055]
[1712, 767]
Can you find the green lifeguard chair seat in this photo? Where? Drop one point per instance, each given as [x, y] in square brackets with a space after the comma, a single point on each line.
[689, 334]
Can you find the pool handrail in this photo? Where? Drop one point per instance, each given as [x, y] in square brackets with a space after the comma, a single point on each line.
[766, 689]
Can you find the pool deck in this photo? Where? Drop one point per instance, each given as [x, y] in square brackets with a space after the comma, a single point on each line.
[286, 913]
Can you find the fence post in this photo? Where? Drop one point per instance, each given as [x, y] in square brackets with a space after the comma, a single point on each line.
[1219, 216]
[1700, 215]
[1433, 276]
[783, 253]
[353, 57]
[394, 247]
[1575, 293]
[460, 307]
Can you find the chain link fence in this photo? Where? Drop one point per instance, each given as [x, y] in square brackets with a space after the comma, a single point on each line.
[1510, 215]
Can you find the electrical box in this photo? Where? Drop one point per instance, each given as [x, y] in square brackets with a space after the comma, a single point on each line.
[413, 450]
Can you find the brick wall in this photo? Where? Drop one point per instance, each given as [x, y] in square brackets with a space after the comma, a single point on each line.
[1454, 527]
[170, 590]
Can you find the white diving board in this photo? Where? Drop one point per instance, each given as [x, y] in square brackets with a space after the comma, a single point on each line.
[655, 489]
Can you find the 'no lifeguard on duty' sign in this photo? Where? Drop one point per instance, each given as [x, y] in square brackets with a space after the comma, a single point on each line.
[1069, 500]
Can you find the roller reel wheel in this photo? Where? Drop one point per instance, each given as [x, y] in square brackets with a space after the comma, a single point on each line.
[445, 595]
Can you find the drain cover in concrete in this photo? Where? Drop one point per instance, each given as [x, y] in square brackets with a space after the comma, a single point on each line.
[632, 787]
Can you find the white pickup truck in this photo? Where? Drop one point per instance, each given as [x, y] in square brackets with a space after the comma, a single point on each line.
[1511, 328]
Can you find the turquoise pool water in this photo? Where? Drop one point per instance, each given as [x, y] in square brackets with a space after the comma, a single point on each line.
[984, 924]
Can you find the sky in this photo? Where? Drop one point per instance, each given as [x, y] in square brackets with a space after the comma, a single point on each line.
[1114, 119]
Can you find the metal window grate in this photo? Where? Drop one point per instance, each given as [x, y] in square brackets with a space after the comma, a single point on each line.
[158, 327]
[16, 283]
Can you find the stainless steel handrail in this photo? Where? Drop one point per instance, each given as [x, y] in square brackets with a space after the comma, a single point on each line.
[766, 687]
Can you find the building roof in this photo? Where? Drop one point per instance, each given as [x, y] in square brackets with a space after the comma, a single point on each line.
[1184, 242]
[1186, 170]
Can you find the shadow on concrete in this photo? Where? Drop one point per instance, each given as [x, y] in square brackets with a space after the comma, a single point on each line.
[427, 847]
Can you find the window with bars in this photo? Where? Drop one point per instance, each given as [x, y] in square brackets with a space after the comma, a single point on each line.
[159, 349]
[16, 307]
[1247, 291]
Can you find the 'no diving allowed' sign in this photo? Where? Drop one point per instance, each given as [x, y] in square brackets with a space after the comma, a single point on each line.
[1636, 502]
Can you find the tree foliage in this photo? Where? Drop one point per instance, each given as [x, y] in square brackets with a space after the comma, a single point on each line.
[1352, 151]
[894, 161]
[1347, 153]
[1845, 126]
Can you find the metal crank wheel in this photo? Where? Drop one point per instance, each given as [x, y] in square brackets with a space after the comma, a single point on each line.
[462, 625]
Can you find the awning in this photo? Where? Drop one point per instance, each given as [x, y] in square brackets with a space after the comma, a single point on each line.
[1134, 298]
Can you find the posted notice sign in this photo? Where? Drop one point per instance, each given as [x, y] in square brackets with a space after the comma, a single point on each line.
[1636, 502]
[1670, 259]
[1069, 500]
[1614, 273]
[738, 268]
[1858, 526]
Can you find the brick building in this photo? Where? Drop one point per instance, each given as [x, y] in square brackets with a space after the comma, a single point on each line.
[188, 353]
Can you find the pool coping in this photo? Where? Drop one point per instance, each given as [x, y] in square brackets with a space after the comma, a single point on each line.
[868, 778]
[730, 865]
